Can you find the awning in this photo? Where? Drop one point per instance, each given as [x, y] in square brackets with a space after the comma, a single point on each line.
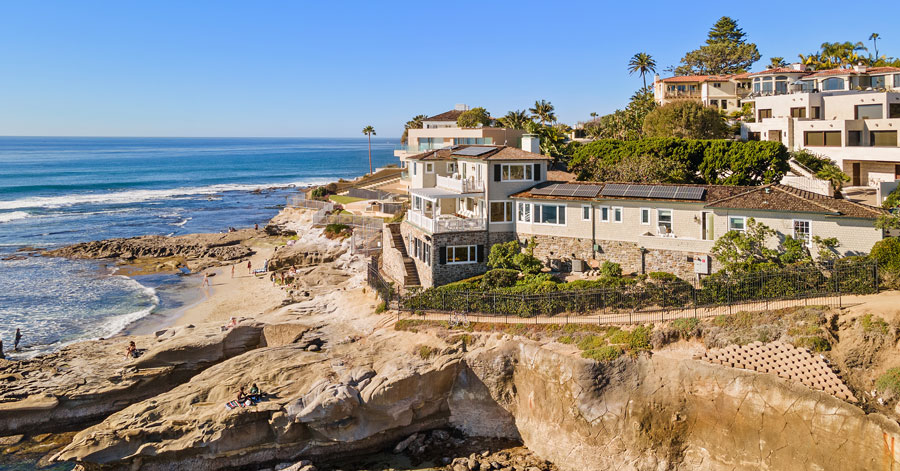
[434, 194]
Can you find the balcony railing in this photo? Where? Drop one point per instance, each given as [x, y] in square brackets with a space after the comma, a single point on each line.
[460, 185]
[445, 224]
[419, 148]
[683, 94]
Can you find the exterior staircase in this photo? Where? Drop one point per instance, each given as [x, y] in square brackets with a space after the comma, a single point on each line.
[412, 276]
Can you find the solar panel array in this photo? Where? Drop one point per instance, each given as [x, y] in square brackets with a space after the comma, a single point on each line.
[568, 189]
[654, 191]
[473, 151]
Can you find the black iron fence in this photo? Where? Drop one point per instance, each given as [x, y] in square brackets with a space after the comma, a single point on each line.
[383, 288]
[658, 301]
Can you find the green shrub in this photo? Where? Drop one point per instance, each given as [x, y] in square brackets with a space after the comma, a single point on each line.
[566, 339]
[591, 342]
[336, 228]
[814, 344]
[319, 192]
[889, 382]
[639, 339]
[382, 306]
[662, 276]
[604, 353]
[425, 352]
[499, 278]
[887, 253]
[610, 270]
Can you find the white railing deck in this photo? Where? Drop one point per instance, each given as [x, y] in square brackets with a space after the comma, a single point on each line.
[460, 185]
[447, 224]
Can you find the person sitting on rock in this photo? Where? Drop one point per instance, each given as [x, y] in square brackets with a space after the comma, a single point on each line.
[255, 395]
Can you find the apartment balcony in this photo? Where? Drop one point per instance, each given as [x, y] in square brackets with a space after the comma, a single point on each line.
[445, 223]
[418, 148]
[459, 185]
[675, 94]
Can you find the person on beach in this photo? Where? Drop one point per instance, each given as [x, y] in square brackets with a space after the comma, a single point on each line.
[242, 397]
[256, 227]
[18, 339]
[232, 271]
[131, 352]
[249, 267]
[205, 280]
[2, 357]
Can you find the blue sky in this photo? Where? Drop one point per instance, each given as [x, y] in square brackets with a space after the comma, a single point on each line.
[327, 69]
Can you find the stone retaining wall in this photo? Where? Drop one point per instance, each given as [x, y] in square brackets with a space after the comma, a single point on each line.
[392, 258]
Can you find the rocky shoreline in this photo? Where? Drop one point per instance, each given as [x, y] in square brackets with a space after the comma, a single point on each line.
[345, 388]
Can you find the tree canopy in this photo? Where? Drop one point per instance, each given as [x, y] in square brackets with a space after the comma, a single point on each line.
[627, 124]
[415, 123]
[643, 64]
[516, 119]
[726, 52]
[846, 53]
[543, 111]
[685, 119]
[722, 162]
[473, 117]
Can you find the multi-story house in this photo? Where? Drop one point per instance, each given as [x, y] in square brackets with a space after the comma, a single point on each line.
[441, 131]
[850, 115]
[467, 198]
[459, 206]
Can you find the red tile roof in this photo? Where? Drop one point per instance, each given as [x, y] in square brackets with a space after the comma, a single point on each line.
[497, 153]
[697, 78]
[780, 70]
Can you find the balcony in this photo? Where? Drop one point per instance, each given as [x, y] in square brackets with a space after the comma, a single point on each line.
[683, 94]
[445, 223]
[419, 148]
[459, 185]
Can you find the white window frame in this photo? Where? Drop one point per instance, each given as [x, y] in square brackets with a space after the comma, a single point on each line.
[809, 228]
[472, 254]
[604, 213]
[588, 212]
[559, 207]
[527, 172]
[429, 167]
[743, 223]
[618, 211]
[451, 167]
[645, 212]
[506, 203]
[523, 212]
[671, 219]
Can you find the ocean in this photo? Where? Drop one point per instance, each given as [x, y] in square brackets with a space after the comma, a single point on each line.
[62, 190]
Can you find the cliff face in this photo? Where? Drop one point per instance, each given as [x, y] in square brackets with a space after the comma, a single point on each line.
[670, 413]
[650, 413]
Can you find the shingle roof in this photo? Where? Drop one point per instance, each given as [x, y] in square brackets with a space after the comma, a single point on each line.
[780, 70]
[451, 115]
[851, 71]
[777, 197]
[773, 197]
[497, 153]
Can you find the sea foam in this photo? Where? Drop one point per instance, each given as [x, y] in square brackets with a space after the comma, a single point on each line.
[13, 216]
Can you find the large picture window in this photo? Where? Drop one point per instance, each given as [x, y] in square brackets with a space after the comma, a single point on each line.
[550, 214]
[869, 111]
[458, 254]
[501, 211]
[516, 172]
[822, 138]
[883, 138]
[833, 83]
[523, 214]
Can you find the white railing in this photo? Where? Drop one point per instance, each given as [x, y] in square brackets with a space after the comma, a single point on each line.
[420, 220]
[459, 185]
[450, 224]
[811, 184]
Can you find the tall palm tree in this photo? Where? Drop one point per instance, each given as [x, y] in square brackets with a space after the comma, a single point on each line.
[543, 110]
[776, 62]
[594, 115]
[643, 64]
[369, 131]
[874, 37]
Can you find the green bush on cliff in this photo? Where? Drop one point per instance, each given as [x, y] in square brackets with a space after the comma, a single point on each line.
[889, 382]
[604, 353]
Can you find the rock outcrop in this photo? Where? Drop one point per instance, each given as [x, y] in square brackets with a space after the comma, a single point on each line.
[303, 255]
[87, 381]
[225, 246]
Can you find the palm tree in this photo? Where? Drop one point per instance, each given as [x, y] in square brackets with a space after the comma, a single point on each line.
[594, 115]
[874, 37]
[833, 175]
[415, 123]
[514, 119]
[369, 131]
[776, 62]
[643, 64]
[543, 110]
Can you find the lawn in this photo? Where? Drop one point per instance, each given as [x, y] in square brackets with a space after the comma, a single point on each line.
[344, 199]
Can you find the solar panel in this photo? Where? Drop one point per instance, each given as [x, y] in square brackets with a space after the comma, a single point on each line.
[613, 189]
[639, 191]
[473, 151]
[690, 193]
[663, 192]
[587, 191]
[565, 189]
[547, 190]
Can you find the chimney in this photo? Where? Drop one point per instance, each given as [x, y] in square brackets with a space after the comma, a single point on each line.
[798, 67]
[860, 68]
[656, 78]
[531, 143]
[461, 107]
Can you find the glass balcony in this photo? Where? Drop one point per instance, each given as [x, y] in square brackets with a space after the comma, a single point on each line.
[445, 223]
[459, 185]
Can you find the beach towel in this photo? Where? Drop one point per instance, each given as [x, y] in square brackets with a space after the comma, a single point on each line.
[233, 405]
